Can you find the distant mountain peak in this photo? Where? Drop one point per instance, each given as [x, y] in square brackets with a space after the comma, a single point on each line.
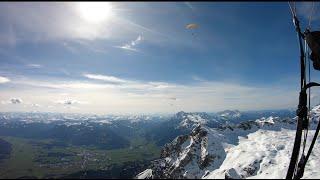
[230, 114]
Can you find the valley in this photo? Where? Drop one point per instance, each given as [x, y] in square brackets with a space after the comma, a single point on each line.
[47, 158]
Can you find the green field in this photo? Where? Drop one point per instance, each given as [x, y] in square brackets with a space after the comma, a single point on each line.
[42, 158]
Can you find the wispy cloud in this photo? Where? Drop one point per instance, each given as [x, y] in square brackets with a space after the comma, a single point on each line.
[106, 82]
[88, 45]
[130, 45]
[8, 37]
[197, 78]
[304, 9]
[160, 85]
[34, 65]
[188, 4]
[111, 79]
[69, 47]
[4, 79]
[69, 85]
[35, 105]
[154, 96]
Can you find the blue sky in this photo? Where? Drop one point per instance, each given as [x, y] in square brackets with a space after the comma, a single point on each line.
[138, 57]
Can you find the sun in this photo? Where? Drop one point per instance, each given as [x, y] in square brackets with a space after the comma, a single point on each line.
[95, 12]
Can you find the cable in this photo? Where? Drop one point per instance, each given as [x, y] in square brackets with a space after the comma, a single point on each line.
[292, 11]
[313, 141]
[295, 7]
[309, 80]
[296, 168]
[310, 17]
[302, 101]
[306, 130]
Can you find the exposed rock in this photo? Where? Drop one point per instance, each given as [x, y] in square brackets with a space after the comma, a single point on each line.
[232, 174]
[188, 156]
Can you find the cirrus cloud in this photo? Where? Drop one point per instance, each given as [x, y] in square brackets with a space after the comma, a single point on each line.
[111, 79]
[34, 65]
[130, 45]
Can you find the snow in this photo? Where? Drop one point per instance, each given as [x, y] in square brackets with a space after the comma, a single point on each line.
[264, 120]
[103, 121]
[192, 120]
[147, 174]
[265, 154]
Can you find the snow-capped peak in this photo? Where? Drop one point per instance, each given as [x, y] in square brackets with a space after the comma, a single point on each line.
[191, 120]
[269, 120]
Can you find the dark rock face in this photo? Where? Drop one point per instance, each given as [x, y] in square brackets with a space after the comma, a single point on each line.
[174, 146]
[232, 174]
[177, 156]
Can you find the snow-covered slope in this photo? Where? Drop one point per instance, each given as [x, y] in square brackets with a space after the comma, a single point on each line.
[264, 154]
[251, 149]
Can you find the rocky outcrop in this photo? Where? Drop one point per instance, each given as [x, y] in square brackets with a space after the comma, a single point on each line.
[188, 156]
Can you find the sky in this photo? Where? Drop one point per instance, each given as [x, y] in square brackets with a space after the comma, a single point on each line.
[139, 57]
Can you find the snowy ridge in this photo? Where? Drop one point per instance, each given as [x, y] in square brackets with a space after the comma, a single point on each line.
[253, 149]
[74, 119]
[230, 114]
[190, 121]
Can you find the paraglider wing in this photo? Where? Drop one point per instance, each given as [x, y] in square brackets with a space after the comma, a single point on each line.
[191, 26]
[313, 40]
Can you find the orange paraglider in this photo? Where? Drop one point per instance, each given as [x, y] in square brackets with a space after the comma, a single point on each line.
[192, 26]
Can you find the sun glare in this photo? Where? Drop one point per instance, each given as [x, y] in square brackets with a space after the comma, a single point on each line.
[95, 12]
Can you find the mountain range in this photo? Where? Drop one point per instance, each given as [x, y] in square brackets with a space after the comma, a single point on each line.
[183, 145]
